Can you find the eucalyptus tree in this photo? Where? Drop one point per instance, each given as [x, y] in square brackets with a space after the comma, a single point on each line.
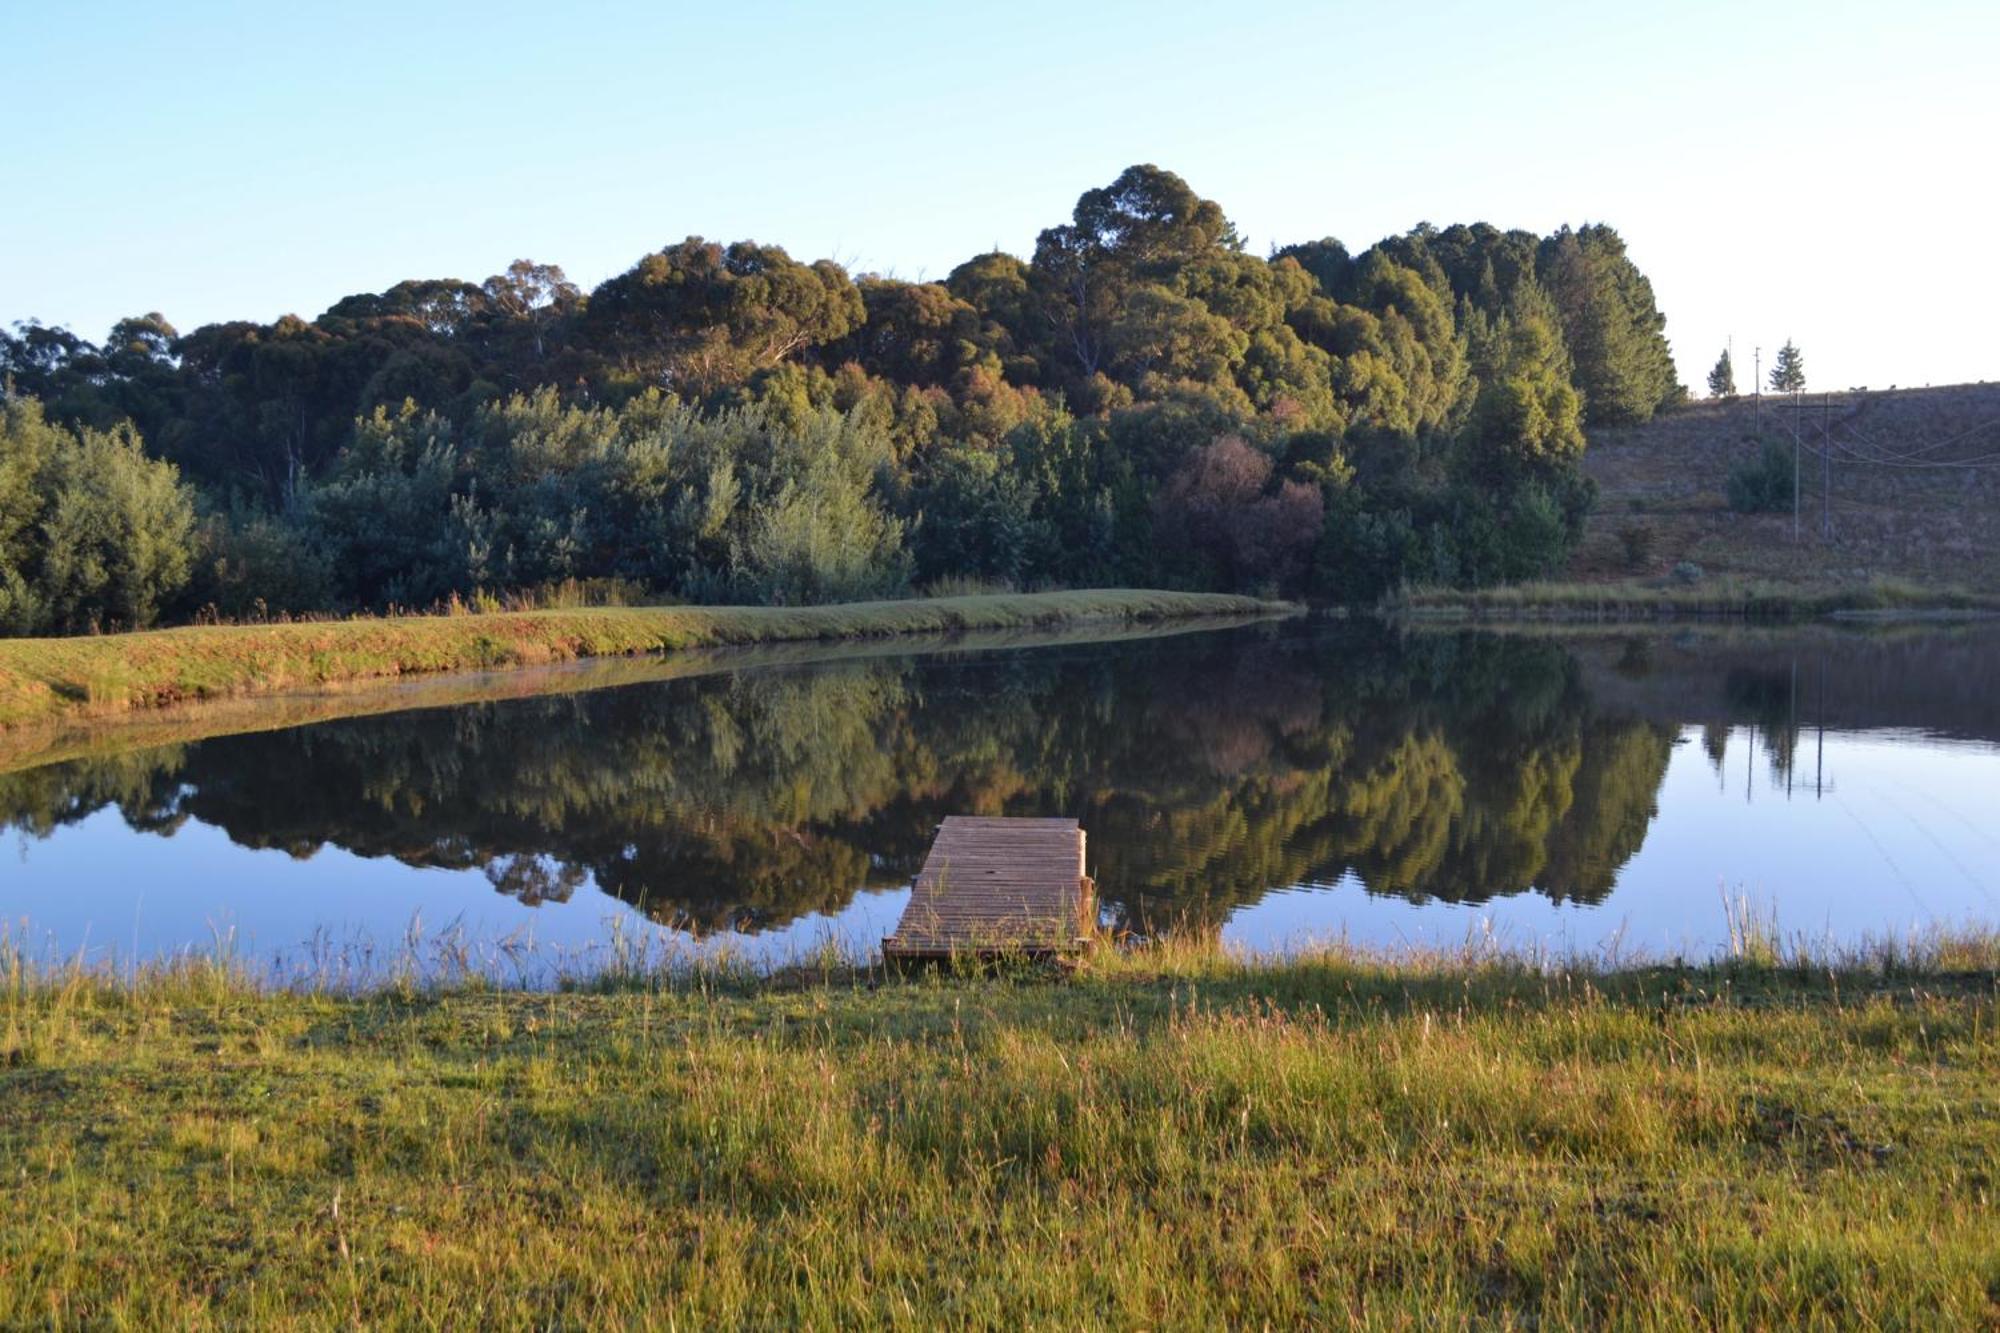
[698, 316]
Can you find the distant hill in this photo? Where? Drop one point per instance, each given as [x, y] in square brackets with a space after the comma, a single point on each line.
[1915, 489]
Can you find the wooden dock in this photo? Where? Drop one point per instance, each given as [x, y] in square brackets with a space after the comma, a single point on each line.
[993, 887]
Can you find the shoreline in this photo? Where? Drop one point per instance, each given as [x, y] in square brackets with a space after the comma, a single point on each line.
[1723, 600]
[35, 744]
[95, 680]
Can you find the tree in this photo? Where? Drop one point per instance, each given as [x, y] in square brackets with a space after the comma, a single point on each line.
[1220, 506]
[387, 519]
[816, 531]
[1788, 372]
[91, 530]
[1525, 420]
[1615, 332]
[1722, 380]
[914, 333]
[1142, 227]
[534, 297]
[697, 317]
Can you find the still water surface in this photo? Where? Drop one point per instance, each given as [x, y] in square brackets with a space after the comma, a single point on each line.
[1274, 784]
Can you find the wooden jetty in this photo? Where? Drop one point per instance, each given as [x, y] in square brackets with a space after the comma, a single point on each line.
[993, 887]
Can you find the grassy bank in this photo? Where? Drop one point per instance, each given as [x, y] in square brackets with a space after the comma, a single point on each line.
[1162, 1140]
[44, 680]
[97, 736]
[1720, 598]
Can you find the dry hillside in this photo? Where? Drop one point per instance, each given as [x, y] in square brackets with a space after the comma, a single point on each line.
[1915, 490]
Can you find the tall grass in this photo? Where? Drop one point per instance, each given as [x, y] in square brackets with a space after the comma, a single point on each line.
[1174, 1136]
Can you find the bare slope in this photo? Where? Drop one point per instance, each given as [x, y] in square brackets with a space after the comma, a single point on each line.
[1914, 488]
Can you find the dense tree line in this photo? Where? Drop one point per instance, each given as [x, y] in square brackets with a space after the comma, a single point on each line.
[1140, 401]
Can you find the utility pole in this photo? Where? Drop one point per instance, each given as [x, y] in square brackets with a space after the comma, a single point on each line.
[1757, 383]
[1792, 733]
[1795, 465]
[1819, 771]
[1826, 467]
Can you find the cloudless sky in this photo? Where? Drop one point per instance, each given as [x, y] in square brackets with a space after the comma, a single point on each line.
[1819, 171]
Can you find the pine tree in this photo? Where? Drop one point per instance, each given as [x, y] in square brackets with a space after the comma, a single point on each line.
[1611, 325]
[1788, 372]
[1722, 380]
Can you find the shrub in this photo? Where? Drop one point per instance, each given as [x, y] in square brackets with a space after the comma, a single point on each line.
[1221, 507]
[1636, 540]
[1766, 485]
[821, 538]
[92, 532]
[251, 565]
[1534, 537]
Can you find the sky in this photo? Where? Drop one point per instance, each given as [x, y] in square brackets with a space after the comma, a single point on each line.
[1775, 169]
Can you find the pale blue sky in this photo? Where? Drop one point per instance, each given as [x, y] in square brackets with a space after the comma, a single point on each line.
[1820, 171]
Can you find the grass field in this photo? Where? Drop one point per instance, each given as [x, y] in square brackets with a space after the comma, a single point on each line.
[1164, 1139]
[51, 680]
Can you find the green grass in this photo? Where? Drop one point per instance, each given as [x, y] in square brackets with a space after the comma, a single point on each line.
[1726, 597]
[51, 680]
[1163, 1139]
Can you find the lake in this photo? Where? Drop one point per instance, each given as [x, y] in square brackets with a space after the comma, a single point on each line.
[1602, 793]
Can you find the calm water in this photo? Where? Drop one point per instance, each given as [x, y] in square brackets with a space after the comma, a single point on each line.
[1275, 783]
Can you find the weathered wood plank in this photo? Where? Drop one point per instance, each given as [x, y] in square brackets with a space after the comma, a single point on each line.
[993, 885]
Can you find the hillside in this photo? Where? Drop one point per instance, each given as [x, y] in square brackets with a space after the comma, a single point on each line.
[1914, 486]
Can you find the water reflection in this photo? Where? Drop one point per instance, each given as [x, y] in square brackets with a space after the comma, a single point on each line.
[1209, 769]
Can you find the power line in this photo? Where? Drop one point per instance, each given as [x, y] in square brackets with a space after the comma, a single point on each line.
[1870, 451]
[1930, 448]
[1907, 465]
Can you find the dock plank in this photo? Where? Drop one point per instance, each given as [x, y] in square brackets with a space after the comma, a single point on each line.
[994, 885]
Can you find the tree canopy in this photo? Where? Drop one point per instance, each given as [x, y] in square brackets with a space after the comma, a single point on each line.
[1140, 399]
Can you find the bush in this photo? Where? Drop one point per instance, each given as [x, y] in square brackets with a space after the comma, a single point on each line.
[92, 532]
[1636, 540]
[821, 538]
[1534, 536]
[1364, 552]
[1767, 485]
[1220, 509]
[252, 565]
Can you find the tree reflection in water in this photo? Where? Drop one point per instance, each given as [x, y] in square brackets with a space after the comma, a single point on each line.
[1208, 770]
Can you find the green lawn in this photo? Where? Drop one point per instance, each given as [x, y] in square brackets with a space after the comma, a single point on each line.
[1160, 1140]
[51, 680]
